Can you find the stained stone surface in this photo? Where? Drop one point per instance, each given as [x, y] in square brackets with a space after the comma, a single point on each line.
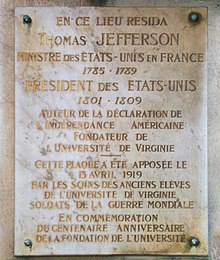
[111, 129]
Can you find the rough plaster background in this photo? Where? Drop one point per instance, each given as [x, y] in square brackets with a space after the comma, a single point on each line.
[7, 119]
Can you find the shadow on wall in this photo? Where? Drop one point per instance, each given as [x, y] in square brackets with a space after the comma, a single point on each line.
[98, 2]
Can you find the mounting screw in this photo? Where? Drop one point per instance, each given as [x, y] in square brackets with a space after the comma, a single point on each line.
[27, 19]
[194, 17]
[28, 243]
[194, 241]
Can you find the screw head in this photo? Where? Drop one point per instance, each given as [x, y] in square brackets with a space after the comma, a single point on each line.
[27, 19]
[28, 243]
[194, 17]
[194, 241]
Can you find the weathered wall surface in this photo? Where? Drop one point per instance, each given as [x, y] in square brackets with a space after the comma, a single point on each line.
[7, 117]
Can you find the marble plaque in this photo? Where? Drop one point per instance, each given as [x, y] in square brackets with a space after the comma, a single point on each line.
[111, 119]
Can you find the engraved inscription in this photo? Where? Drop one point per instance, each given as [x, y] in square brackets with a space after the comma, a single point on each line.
[110, 131]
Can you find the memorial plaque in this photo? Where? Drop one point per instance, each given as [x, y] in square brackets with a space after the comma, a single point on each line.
[111, 149]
